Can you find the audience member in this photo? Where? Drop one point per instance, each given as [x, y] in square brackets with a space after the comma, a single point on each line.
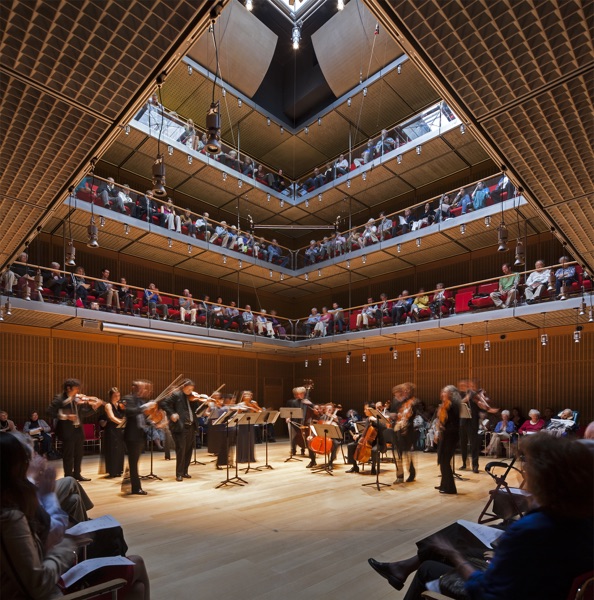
[187, 305]
[503, 431]
[55, 281]
[127, 296]
[152, 299]
[420, 303]
[480, 196]
[337, 322]
[369, 311]
[188, 223]
[537, 282]
[106, 290]
[533, 425]
[5, 423]
[464, 200]
[39, 431]
[248, 319]
[565, 275]
[80, 287]
[311, 322]
[508, 285]
[264, 324]
[172, 220]
[108, 193]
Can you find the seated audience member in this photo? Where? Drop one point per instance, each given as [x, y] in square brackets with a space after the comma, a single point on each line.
[35, 553]
[80, 286]
[186, 221]
[275, 254]
[484, 429]
[480, 196]
[384, 144]
[556, 535]
[248, 167]
[244, 241]
[354, 239]
[369, 311]
[563, 424]
[187, 305]
[125, 200]
[5, 423]
[565, 275]
[147, 207]
[311, 322]
[106, 290]
[205, 310]
[369, 233]
[339, 244]
[439, 298]
[54, 280]
[325, 248]
[421, 302]
[547, 414]
[279, 330]
[232, 316]
[218, 314]
[384, 228]
[127, 296]
[537, 282]
[188, 136]
[230, 239]
[504, 186]
[311, 253]
[202, 143]
[277, 181]
[503, 431]
[384, 308]
[204, 227]
[401, 307]
[220, 232]
[464, 200]
[533, 425]
[323, 324]
[427, 217]
[152, 299]
[23, 276]
[341, 166]
[507, 286]
[403, 223]
[442, 212]
[264, 324]
[337, 322]
[172, 219]
[247, 317]
[315, 181]
[39, 431]
[108, 192]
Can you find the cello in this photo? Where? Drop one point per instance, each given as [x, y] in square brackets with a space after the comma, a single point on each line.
[364, 445]
[318, 443]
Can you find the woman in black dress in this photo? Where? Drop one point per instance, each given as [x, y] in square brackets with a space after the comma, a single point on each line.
[114, 435]
[245, 435]
[449, 433]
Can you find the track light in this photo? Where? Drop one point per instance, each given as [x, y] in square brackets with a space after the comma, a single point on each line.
[189, 159]
[399, 159]
[267, 197]
[463, 229]
[224, 92]
[348, 183]
[190, 69]
[306, 203]
[319, 272]
[364, 357]
[519, 254]
[282, 130]
[319, 121]
[159, 177]
[71, 254]
[213, 125]
[590, 316]
[462, 129]
[282, 203]
[282, 276]
[319, 197]
[296, 35]
[170, 150]
[487, 345]
[577, 334]
[306, 276]
[583, 308]
[93, 234]
[349, 102]
[268, 122]
[239, 183]
[306, 363]
[418, 242]
[399, 69]
[418, 352]
[240, 264]
[552, 281]
[364, 177]
[224, 260]
[224, 176]
[487, 221]
[101, 221]
[189, 248]
[502, 234]
[249, 5]
[399, 248]
[348, 264]
[364, 259]
[8, 307]
[270, 272]
[320, 361]
[169, 242]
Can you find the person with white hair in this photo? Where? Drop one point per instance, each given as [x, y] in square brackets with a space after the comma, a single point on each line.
[533, 425]
[503, 431]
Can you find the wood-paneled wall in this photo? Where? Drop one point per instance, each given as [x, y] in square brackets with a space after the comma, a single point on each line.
[518, 371]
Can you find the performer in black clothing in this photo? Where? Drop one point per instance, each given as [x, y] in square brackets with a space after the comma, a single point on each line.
[298, 401]
[182, 424]
[113, 442]
[376, 444]
[449, 431]
[134, 432]
[69, 408]
[404, 430]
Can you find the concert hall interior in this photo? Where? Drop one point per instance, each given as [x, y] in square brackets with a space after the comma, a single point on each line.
[420, 145]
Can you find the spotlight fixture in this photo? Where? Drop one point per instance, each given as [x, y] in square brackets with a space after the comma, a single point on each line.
[399, 248]
[487, 345]
[418, 352]
[190, 159]
[319, 197]
[463, 229]
[169, 242]
[349, 101]
[364, 259]
[224, 176]
[590, 316]
[462, 129]
[364, 177]
[71, 254]
[189, 248]
[8, 307]
[487, 221]
[270, 272]
[282, 130]
[399, 69]
[282, 276]
[213, 125]
[319, 272]
[577, 334]
[319, 121]
[502, 234]
[127, 130]
[306, 277]
[348, 183]
[418, 348]
[101, 221]
[340, 5]
[93, 232]
[306, 130]
[159, 177]
[418, 242]
[419, 149]
[364, 92]
[224, 92]
[239, 183]
[224, 260]
[462, 347]
[240, 264]
[320, 361]
[399, 159]
[296, 35]
[306, 203]
[239, 102]
[190, 69]
[583, 307]
[268, 122]
[348, 358]
[249, 5]
[282, 203]
[519, 254]
[267, 197]
[306, 363]
[348, 264]
[170, 150]
[364, 357]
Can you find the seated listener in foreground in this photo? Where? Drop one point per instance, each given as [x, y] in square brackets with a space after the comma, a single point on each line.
[533, 425]
[555, 536]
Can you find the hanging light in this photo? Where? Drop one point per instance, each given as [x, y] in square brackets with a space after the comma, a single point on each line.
[463, 229]
[190, 69]
[487, 221]
[282, 203]
[364, 357]
[462, 347]
[520, 259]
[296, 35]
[224, 259]
[577, 334]
[282, 130]
[240, 264]
[590, 316]
[268, 122]
[364, 92]
[462, 129]
[267, 197]
[306, 130]
[239, 102]
[170, 150]
[306, 277]
[418, 349]
[93, 233]
[189, 248]
[399, 159]
[364, 259]
[282, 276]
[249, 5]
[399, 248]
[319, 197]
[418, 352]
[399, 69]
[419, 149]
[213, 125]
[502, 234]
[159, 177]
[306, 363]
[349, 101]
[224, 92]
[319, 121]
[544, 338]
[320, 361]
[319, 272]
[418, 242]
[169, 242]
[487, 344]
[364, 177]
[239, 183]
[583, 307]
[348, 264]
[190, 159]
[348, 358]
[71, 254]
[101, 221]
[224, 176]
[306, 203]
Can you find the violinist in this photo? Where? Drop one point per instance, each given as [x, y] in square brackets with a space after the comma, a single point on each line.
[246, 437]
[469, 423]
[361, 438]
[69, 408]
[404, 431]
[113, 440]
[135, 405]
[298, 401]
[218, 442]
[448, 433]
[183, 426]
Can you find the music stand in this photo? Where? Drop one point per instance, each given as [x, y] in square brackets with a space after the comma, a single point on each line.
[268, 417]
[376, 461]
[198, 413]
[330, 432]
[224, 420]
[248, 419]
[151, 475]
[290, 412]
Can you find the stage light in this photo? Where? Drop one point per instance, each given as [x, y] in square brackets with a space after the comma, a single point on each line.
[169, 242]
[170, 150]
[93, 233]
[213, 125]
[159, 177]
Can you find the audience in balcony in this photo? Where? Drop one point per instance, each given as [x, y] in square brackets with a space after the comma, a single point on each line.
[232, 315]
[54, 281]
[264, 324]
[188, 222]
[248, 167]
[247, 317]
[187, 305]
[385, 144]
[442, 212]
[324, 323]
[204, 227]
[107, 291]
[275, 254]
[369, 233]
[125, 200]
[464, 200]
[152, 300]
[537, 282]
[108, 193]
[127, 296]
[341, 166]
[172, 219]
[147, 208]
[315, 181]
[311, 322]
[566, 276]
[188, 136]
[218, 314]
[371, 310]
[80, 287]
[439, 299]
[504, 186]
[5, 423]
[480, 196]
[401, 307]
[419, 304]
[508, 285]
[312, 253]
[337, 322]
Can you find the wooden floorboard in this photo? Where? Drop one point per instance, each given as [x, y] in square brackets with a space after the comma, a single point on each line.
[288, 534]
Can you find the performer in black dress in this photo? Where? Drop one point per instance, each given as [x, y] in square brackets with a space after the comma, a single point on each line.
[113, 441]
[405, 434]
[219, 438]
[449, 431]
[69, 408]
[246, 437]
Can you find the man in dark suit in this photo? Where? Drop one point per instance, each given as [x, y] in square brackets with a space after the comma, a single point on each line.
[147, 206]
[69, 408]
[108, 192]
[182, 424]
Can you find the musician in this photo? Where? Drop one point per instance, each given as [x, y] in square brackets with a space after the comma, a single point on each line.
[370, 421]
[298, 401]
[469, 423]
[404, 430]
[183, 426]
[448, 433]
[217, 440]
[324, 414]
[134, 435]
[246, 437]
[69, 408]
[114, 434]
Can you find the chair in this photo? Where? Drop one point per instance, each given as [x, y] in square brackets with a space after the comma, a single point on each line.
[92, 436]
[108, 589]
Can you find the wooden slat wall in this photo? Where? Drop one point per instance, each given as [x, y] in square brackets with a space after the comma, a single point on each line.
[518, 371]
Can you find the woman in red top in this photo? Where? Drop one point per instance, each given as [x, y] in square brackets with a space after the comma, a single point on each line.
[533, 425]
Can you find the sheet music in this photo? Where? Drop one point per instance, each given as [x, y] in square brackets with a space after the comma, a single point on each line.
[82, 569]
[104, 522]
[486, 535]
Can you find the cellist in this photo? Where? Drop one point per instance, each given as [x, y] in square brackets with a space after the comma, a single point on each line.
[370, 424]
[324, 414]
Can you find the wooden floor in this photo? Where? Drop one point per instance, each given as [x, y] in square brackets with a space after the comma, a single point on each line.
[289, 533]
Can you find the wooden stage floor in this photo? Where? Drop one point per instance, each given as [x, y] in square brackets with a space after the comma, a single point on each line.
[288, 534]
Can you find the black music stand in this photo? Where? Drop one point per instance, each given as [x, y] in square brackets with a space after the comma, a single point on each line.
[224, 420]
[290, 412]
[268, 417]
[330, 432]
[151, 475]
[198, 413]
[376, 461]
